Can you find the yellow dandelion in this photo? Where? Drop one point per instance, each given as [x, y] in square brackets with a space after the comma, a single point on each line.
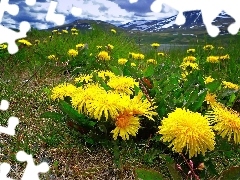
[126, 124]
[161, 54]
[191, 51]
[54, 31]
[25, 42]
[225, 57]
[99, 47]
[186, 129]
[208, 79]
[113, 31]
[79, 46]
[105, 74]
[230, 85]
[64, 31]
[74, 33]
[226, 122]
[208, 47]
[211, 98]
[74, 30]
[151, 61]
[220, 47]
[52, 57]
[63, 90]
[155, 45]
[72, 52]
[3, 46]
[133, 65]
[137, 56]
[122, 61]
[37, 41]
[84, 77]
[103, 55]
[187, 64]
[110, 47]
[213, 59]
[190, 59]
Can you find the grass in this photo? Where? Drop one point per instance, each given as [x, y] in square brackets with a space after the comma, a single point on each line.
[27, 76]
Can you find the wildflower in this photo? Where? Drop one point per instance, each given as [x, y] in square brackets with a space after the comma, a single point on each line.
[37, 41]
[230, 85]
[74, 30]
[99, 47]
[52, 57]
[103, 55]
[72, 52]
[220, 47]
[79, 46]
[23, 41]
[189, 58]
[54, 31]
[133, 65]
[122, 84]
[184, 128]
[3, 46]
[63, 90]
[59, 33]
[126, 124]
[137, 56]
[184, 65]
[225, 57]
[160, 54]
[155, 45]
[64, 31]
[122, 61]
[191, 51]
[110, 47]
[114, 31]
[213, 59]
[208, 47]
[208, 79]
[153, 61]
[210, 98]
[226, 122]
[84, 77]
[184, 75]
[104, 74]
[74, 33]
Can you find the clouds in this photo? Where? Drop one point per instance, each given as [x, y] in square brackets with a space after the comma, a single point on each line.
[115, 11]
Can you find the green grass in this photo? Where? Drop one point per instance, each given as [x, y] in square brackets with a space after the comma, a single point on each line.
[27, 76]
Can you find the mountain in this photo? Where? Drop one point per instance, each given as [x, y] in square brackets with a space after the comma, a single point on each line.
[194, 23]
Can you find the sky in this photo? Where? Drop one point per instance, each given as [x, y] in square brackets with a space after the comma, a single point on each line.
[113, 11]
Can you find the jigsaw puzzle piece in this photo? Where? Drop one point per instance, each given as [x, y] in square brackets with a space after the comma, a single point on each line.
[31, 171]
[12, 9]
[9, 36]
[4, 170]
[12, 123]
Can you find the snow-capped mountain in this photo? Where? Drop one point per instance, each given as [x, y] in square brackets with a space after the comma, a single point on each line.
[193, 22]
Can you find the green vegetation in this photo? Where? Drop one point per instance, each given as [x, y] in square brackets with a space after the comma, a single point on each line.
[75, 128]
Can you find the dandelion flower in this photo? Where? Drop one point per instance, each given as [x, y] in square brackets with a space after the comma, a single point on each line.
[84, 77]
[133, 65]
[160, 54]
[3, 46]
[191, 51]
[79, 46]
[213, 59]
[227, 122]
[155, 45]
[52, 57]
[104, 74]
[184, 65]
[189, 59]
[72, 52]
[64, 31]
[225, 57]
[187, 130]
[122, 61]
[210, 98]
[25, 42]
[63, 90]
[110, 47]
[230, 85]
[151, 61]
[103, 55]
[208, 47]
[126, 124]
[113, 31]
[208, 79]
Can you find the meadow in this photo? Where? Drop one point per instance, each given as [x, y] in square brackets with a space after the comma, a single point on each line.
[96, 105]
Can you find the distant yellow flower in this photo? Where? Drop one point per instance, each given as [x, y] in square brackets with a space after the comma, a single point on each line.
[122, 61]
[104, 74]
[208, 79]
[133, 65]
[52, 57]
[230, 85]
[74, 33]
[191, 51]
[23, 41]
[208, 47]
[3, 46]
[114, 31]
[155, 45]
[186, 129]
[126, 124]
[184, 65]
[64, 31]
[103, 55]
[226, 122]
[99, 47]
[72, 52]
[225, 57]
[220, 47]
[189, 58]
[79, 46]
[110, 47]
[74, 30]
[184, 75]
[151, 61]
[54, 31]
[136, 56]
[122, 84]
[37, 41]
[213, 59]
[161, 54]
[210, 98]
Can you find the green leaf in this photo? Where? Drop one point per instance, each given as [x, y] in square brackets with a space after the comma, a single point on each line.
[117, 71]
[173, 171]
[201, 97]
[231, 173]
[74, 115]
[149, 71]
[193, 96]
[147, 174]
[53, 115]
[213, 86]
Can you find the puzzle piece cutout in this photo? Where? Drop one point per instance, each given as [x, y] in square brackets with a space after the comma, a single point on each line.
[59, 19]
[208, 12]
[7, 35]
[4, 170]
[31, 171]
